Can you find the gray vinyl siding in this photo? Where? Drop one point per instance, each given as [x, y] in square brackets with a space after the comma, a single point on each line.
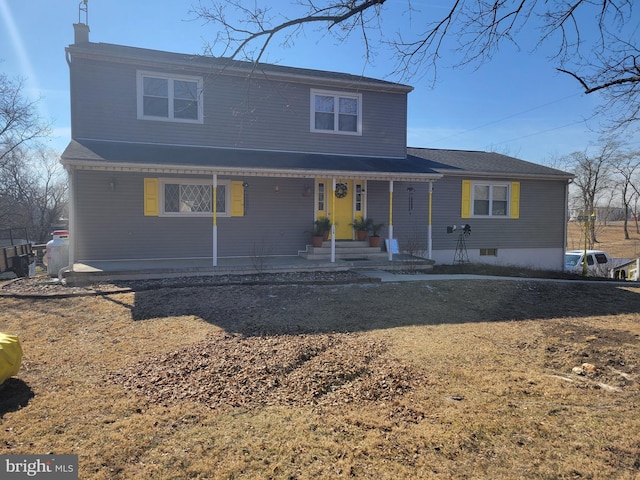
[111, 225]
[541, 222]
[254, 113]
[409, 226]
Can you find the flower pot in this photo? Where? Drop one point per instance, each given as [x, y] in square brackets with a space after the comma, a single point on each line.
[361, 235]
[317, 240]
[374, 241]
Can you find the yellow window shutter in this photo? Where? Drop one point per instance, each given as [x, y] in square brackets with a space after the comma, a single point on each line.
[515, 200]
[237, 199]
[151, 197]
[466, 199]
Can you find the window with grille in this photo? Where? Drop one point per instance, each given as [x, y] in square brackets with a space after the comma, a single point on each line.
[192, 198]
[321, 196]
[358, 199]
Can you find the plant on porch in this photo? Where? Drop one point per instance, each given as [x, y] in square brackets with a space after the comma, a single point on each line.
[320, 231]
[374, 238]
[362, 226]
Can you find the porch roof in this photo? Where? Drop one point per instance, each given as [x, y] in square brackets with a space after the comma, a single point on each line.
[487, 164]
[201, 160]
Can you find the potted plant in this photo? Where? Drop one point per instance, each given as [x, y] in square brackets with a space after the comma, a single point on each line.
[361, 225]
[323, 224]
[320, 231]
[374, 238]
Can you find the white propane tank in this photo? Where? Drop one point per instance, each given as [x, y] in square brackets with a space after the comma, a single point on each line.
[57, 252]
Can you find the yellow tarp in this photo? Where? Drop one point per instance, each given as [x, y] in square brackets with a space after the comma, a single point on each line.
[10, 356]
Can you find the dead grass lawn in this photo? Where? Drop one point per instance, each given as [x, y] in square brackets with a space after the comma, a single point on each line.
[610, 239]
[487, 367]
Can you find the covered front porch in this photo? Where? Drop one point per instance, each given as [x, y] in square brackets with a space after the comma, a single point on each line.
[277, 193]
[84, 273]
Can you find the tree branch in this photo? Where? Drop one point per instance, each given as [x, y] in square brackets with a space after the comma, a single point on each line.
[602, 86]
[607, 59]
[343, 12]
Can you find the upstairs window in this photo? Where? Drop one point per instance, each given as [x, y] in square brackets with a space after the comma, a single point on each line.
[333, 112]
[169, 98]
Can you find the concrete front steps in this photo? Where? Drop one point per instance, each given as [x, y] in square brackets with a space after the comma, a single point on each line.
[345, 250]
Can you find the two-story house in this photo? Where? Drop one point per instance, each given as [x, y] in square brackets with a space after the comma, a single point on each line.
[178, 156]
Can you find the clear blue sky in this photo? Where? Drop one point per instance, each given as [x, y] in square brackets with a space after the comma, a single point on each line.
[516, 104]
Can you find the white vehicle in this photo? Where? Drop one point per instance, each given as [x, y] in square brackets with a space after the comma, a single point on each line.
[599, 263]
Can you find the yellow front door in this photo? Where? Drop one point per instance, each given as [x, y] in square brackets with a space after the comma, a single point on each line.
[341, 211]
[343, 214]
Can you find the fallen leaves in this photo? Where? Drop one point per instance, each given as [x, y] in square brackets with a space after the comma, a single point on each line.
[235, 371]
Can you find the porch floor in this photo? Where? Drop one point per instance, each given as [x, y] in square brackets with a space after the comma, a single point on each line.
[96, 271]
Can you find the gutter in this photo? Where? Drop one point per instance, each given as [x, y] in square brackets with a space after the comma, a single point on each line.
[252, 172]
[481, 174]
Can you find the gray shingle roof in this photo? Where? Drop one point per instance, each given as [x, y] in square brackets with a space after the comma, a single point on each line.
[210, 64]
[426, 163]
[102, 152]
[486, 163]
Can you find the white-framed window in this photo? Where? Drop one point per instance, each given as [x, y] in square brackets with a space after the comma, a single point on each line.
[359, 204]
[336, 112]
[321, 196]
[490, 200]
[174, 98]
[193, 198]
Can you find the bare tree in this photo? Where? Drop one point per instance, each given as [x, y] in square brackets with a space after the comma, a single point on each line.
[626, 167]
[593, 178]
[33, 191]
[636, 200]
[20, 124]
[595, 41]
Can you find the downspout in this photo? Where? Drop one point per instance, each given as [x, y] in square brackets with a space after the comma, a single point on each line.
[215, 220]
[429, 227]
[390, 220]
[333, 223]
[72, 223]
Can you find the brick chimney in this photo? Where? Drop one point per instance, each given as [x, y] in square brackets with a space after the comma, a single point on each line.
[81, 33]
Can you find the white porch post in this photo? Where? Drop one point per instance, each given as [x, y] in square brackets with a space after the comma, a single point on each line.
[333, 223]
[429, 228]
[390, 220]
[215, 220]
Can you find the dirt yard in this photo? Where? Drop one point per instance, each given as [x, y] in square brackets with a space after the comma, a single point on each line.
[325, 376]
[445, 379]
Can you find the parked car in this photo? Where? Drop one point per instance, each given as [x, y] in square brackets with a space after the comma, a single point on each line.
[599, 263]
